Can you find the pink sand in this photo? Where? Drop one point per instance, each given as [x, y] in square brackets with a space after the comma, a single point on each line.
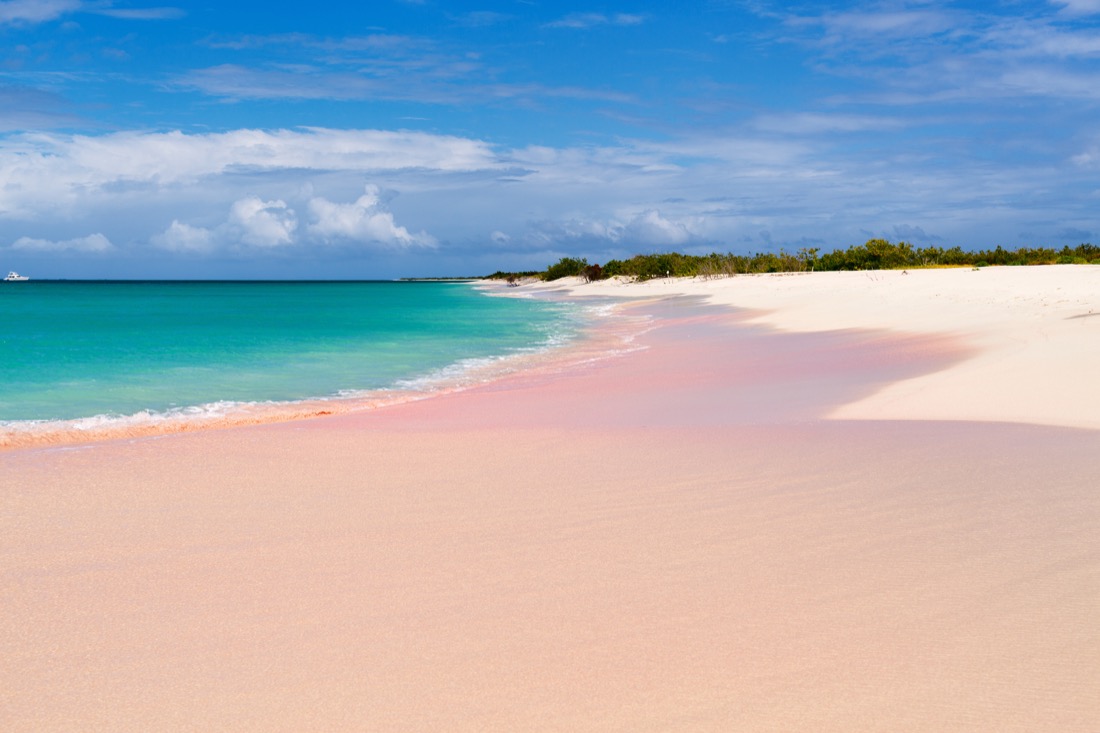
[667, 540]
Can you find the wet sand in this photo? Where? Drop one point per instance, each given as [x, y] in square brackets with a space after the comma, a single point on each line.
[672, 539]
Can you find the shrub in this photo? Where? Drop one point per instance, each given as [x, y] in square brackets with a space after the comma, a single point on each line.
[592, 272]
[565, 267]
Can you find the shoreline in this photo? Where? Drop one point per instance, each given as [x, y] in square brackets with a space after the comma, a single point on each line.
[595, 340]
[677, 539]
[1050, 350]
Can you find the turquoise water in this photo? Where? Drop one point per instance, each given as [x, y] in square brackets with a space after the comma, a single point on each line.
[71, 350]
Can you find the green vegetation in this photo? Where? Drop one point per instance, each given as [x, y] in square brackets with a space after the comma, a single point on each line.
[875, 254]
[511, 276]
[565, 267]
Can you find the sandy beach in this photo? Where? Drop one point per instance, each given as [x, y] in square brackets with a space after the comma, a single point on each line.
[815, 502]
[1034, 333]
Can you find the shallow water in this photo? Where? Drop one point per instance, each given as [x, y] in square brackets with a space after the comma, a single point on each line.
[106, 351]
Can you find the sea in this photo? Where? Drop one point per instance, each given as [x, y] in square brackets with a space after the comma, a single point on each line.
[88, 355]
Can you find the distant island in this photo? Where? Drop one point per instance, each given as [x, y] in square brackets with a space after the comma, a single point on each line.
[875, 254]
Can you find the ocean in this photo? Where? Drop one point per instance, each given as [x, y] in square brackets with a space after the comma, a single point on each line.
[88, 354]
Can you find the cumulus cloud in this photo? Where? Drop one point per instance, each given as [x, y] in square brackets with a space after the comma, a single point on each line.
[650, 228]
[258, 223]
[95, 243]
[364, 220]
[263, 223]
[180, 237]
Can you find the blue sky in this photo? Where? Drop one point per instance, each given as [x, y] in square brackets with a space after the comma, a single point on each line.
[400, 138]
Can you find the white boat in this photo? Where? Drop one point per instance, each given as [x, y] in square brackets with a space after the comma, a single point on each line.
[15, 277]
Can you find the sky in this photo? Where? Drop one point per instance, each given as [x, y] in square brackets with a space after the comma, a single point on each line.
[408, 138]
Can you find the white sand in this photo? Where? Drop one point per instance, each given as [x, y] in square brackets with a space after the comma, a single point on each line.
[1036, 331]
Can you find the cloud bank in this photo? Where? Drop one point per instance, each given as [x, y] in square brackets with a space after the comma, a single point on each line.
[93, 243]
[254, 194]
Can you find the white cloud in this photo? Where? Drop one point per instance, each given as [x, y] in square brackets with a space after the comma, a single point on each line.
[809, 123]
[878, 23]
[180, 237]
[1052, 82]
[160, 13]
[1079, 7]
[364, 220]
[40, 11]
[42, 173]
[292, 190]
[919, 53]
[1089, 156]
[23, 108]
[749, 153]
[238, 82]
[369, 67]
[867, 29]
[591, 20]
[576, 228]
[263, 223]
[650, 228]
[35, 11]
[1021, 39]
[451, 83]
[96, 243]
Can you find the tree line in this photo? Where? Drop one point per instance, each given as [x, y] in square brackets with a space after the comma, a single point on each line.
[875, 254]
